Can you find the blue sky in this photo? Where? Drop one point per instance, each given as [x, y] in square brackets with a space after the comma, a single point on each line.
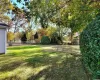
[20, 5]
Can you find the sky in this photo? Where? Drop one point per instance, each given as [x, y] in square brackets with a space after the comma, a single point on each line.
[19, 5]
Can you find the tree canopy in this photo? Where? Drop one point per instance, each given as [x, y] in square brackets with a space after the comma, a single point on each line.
[74, 14]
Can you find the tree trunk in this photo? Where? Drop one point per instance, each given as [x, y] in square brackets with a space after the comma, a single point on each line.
[71, 38]
[10, 43]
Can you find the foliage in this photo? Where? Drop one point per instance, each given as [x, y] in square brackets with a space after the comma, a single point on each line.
[29, 35]
[4, 18]
[50, 30]
[24, 38]
[79, 13]
[45, 40]
[18, 35]
[18, 19]
[42, 31]
[10, 36]
[3, 10]
[18, 15]
[56, 39]
[36, 36]
[90, 47]
[74, 14]
[43, 10]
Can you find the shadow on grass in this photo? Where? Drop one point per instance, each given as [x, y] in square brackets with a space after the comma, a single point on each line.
[63, 67]
[60, 66]
[13, 59]
[43, 59]
[10, 66]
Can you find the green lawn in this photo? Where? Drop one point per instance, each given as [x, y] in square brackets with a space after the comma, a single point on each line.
[34, 63]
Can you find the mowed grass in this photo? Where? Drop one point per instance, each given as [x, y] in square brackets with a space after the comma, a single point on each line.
[34, 63]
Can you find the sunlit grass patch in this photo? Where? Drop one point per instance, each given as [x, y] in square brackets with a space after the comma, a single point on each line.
[22, 47]
[23, 50]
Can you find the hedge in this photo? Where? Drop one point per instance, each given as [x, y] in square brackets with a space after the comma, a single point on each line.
[90, 47]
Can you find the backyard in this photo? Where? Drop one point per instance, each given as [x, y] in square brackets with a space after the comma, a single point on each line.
[49, 40]
[41, 62]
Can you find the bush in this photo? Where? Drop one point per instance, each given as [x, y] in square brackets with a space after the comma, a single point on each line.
[90, 47]
[36, 36]
[55, 39]
[24, 38]
[45, 40]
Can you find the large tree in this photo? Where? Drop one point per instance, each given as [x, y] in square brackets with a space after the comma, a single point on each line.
[78, 14]
[43, 10]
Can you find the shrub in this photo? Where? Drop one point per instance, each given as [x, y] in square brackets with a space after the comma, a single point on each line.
[56, 39]
[90, 47]
[45, 40]
[36, 36]
[24, 38]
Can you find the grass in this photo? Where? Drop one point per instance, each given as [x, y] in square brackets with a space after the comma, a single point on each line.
[34, 63]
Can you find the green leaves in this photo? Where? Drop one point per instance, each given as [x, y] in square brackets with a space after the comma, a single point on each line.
[19, 1]
[90, 48]
[45, 40]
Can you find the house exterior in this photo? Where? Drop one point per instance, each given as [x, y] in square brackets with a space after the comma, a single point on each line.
[3, 38]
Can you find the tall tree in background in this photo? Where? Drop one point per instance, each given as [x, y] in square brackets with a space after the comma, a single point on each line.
[43, 10]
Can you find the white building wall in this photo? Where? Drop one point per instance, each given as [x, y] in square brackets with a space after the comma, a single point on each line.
[2, 40]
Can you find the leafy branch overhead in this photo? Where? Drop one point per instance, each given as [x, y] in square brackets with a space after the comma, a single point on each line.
[74, 14]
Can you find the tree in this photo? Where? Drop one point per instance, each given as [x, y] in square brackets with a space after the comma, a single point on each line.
[43, 10]
[18, 35]
[10, 36]
[50, 30]
[3, 10]
[18, 19]
[74, 14]
[77, 15]
[23, 38]
[29, 35]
